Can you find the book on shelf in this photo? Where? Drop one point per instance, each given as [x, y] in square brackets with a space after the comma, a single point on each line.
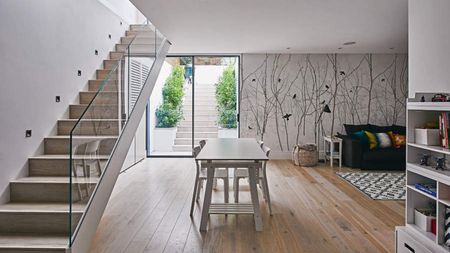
[444, 129]
[427, 188]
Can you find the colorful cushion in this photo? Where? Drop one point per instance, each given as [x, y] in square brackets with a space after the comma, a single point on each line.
[383, 139]
[399, 140]
[373, 144]
[360, 135]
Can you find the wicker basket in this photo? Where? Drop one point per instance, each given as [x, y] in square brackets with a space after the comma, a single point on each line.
[305, 155]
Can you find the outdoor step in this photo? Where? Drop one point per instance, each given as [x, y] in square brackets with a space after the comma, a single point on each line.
[102, 74]
[94, 112]
[60, 145]
[210, 115]
[33, 243]
[182, 148]
[188, 141]
[188, 123]
[104, 97]
[56, 165]
[197, 134]
[89, 126]
[110, 64]
[211, 118]
[200, 103]
[38, 217]
[48, 189]
[201, 110]
[113, 55]
[109, 85]
[198, 129]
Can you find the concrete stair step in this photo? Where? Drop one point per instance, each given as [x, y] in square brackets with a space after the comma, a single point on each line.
[94, 112]
[140, 40]
[102, 74]
[38, 217]
[104, 97]
[89, 126]
[48, 189]
[145, 33]
[113, 55]
[140, 27]
[33, 243]
[60, 145]
[188, 141]
[204, 123]
[110, 64]
[188, 103]
[136, 48]
[109, 85]
[197, 134]
[56, 165]
[210, 118]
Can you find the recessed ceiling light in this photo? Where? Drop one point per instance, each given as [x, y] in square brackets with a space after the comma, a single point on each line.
[349, 43]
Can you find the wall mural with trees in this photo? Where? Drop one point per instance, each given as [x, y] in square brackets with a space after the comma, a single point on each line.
[283, 96]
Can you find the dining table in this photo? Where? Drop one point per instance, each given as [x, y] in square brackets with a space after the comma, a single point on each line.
[231, 153]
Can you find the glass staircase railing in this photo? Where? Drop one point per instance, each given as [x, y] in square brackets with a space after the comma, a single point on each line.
[97, 133]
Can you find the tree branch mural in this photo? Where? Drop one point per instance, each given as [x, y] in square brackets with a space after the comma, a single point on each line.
[282, 96]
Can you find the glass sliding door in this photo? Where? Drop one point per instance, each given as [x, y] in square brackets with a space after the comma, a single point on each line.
[169, 115]
[215, 95]
[195, 98]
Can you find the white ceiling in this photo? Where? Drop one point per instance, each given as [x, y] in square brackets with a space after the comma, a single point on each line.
[271, 26]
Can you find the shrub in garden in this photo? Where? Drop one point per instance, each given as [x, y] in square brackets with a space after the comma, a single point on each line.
[170, 112]
[226, 98]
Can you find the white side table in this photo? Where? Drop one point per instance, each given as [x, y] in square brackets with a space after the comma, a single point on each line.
[329, 151]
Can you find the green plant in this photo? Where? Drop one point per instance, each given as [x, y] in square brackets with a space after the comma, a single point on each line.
[226, 98]
[170, 112]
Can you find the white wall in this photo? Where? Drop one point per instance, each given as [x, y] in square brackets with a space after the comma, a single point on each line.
[125, 9]
[429, 40]
[42, 45]
[155, 100]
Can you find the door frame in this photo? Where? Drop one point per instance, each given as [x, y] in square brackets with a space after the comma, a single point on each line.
[238, 99]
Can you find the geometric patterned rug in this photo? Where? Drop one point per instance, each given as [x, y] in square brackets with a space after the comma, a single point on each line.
[378, 186]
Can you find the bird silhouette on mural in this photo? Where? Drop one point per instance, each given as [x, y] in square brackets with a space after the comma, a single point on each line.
[249, 127]
[342, 73]
[287, 116]
[294, 97]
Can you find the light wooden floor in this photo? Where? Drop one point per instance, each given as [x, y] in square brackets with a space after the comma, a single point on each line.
[314, 211]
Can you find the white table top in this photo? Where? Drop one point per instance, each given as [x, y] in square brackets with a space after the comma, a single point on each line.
[232, 149]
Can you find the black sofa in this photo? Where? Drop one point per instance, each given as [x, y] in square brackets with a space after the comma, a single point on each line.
[357, 155]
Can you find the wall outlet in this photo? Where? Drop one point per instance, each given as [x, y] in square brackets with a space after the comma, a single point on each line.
[79, 72]
[58, 99]
[28, 133]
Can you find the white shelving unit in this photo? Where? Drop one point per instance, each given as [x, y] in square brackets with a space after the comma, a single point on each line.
[418, 113]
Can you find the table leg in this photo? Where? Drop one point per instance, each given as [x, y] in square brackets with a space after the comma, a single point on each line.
[255, 201]
[340, 154]
[208, 194]
[331, 153]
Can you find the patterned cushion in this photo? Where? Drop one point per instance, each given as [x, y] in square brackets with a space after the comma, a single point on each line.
[373, 143]
[360, 135]
[399, 140]
[384, 141]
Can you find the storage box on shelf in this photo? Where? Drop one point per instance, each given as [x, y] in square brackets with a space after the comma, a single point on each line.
[418, 115]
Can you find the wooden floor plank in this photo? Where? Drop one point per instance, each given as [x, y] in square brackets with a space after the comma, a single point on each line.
[314, 210]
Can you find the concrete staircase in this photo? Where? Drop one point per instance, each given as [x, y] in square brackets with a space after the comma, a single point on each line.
[205, 115]
[36, 219]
